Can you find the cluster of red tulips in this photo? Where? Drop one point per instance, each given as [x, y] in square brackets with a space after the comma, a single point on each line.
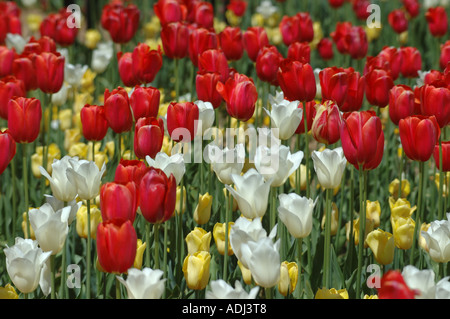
[368, 102]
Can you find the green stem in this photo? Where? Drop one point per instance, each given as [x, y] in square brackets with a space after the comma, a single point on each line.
[165, 253]
[362, 227]
[180, 230]
[148, 248]
[298, 175]
[176, 70]
[131, 141]
[93, 151]
[268, 293]
[88, 251]
[118, 295]
[299, 265]
[441, 182]
[327, 249]
[273, 209]
[419, 209]
[14, 200]
[229, 207]
[156, 234]
[25, 186]
[308, 187]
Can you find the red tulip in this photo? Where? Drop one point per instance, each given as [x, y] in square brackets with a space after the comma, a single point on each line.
[182, 121]
[360, 9]
[355, 91]
[412, 6]
[144, 101]
[130, 171]
[24, 119]
[169, 11]
[445, 156]
[339, 36]
[205, 84]
[419, 134]
[401, 103]
[325, 49]
[24, 70]
[267, 63]
[336, 3]
[300, 51]
[118, 201]
[433, 76]
[214, 61]
[297, 80]
[148, 137]
[174, 38]
[50, 71]
[255, 38]
[6, 61]
[444, 58]
[43, 44]
[350, 40]
[55, 26]
[411, 62]
[93, 120]
[298, 28]
[238, 7]
[7, 150]
[203, 14]
[398, 21]
[158, 196]
[200, 40]
[231, 43]
[309, 113]
[126, 69]
[378, 85]
[120, 21]
[393, 59]
[9, 87]
[118, 110]
[437, 21]
[10, 17]
[116, 246]
[393, 286]
[327, 122]
[334, 84]
[240, 95]
[436, 101]
[146, 63]
[362, 139]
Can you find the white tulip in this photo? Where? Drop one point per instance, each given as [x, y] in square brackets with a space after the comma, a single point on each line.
[264, 261]
[50, 227]
[296, 212]
[329, 166]
[285, 118]
[60, 97]
[443, 288]
[251, 193]
[278, 98]
[102, 56]
[245, 230]
[16, 41]
[421, 280]
[220, 289]
[206, 116]
[62, 188]
[24, 263]
[276, 163]
[438, 240]
[225, 162]
[266, 9]
[144, 284]
[87, 177]
[73, 73]
[173, 164]
[57, 205]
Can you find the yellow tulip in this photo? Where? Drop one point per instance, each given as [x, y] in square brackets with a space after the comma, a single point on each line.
[183, 206]
[37, 159]
[202, 212]
[246, 273]
[382, 245]
[218, 25]
[257, 20]
[80, 100]
[401, 208]
[403, 230]
[372, 33]
[370, 297]
[274, 35]
[65, 119]
[139, 254]
[293, 178]
[288, 278]
[87, 81]
[232, 19]
[72, 137]
[219, 237]
[80, 150]
[318, 35]
[446, 183]
[91, 38]
[152, 28]
[334, 219]
[198, 240]
[24, 226]
[369, 228]
[373, 212]
[332, 293]
[422, 241]
[34, 21]
[96, 218]
[403, 38]
[8, 292]
[394, 187]
[196, 270]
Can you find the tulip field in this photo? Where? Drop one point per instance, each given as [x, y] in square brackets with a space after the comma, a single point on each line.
[239, 149]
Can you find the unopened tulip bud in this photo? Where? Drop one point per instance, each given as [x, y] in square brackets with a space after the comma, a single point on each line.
[202, 212]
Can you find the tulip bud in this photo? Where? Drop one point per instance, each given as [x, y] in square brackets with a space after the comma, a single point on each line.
[255, 38]
[231, 42]
[332, 293]
[382, 245]
[148, 136]
[202, 212]
[9, 87]
[196, 270]
[334, 219]
[198, 240]
[117, 110]
[146, 63]
[288, 278]
[118, 201]
[219, 238]
[297, 80]
[95, 220]
[93, 119]
[437, 21]
[182, 121]
[144, 102]
[24, 119]
[327, 123]
[120, 21]
[175, 40]
[7, 149]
